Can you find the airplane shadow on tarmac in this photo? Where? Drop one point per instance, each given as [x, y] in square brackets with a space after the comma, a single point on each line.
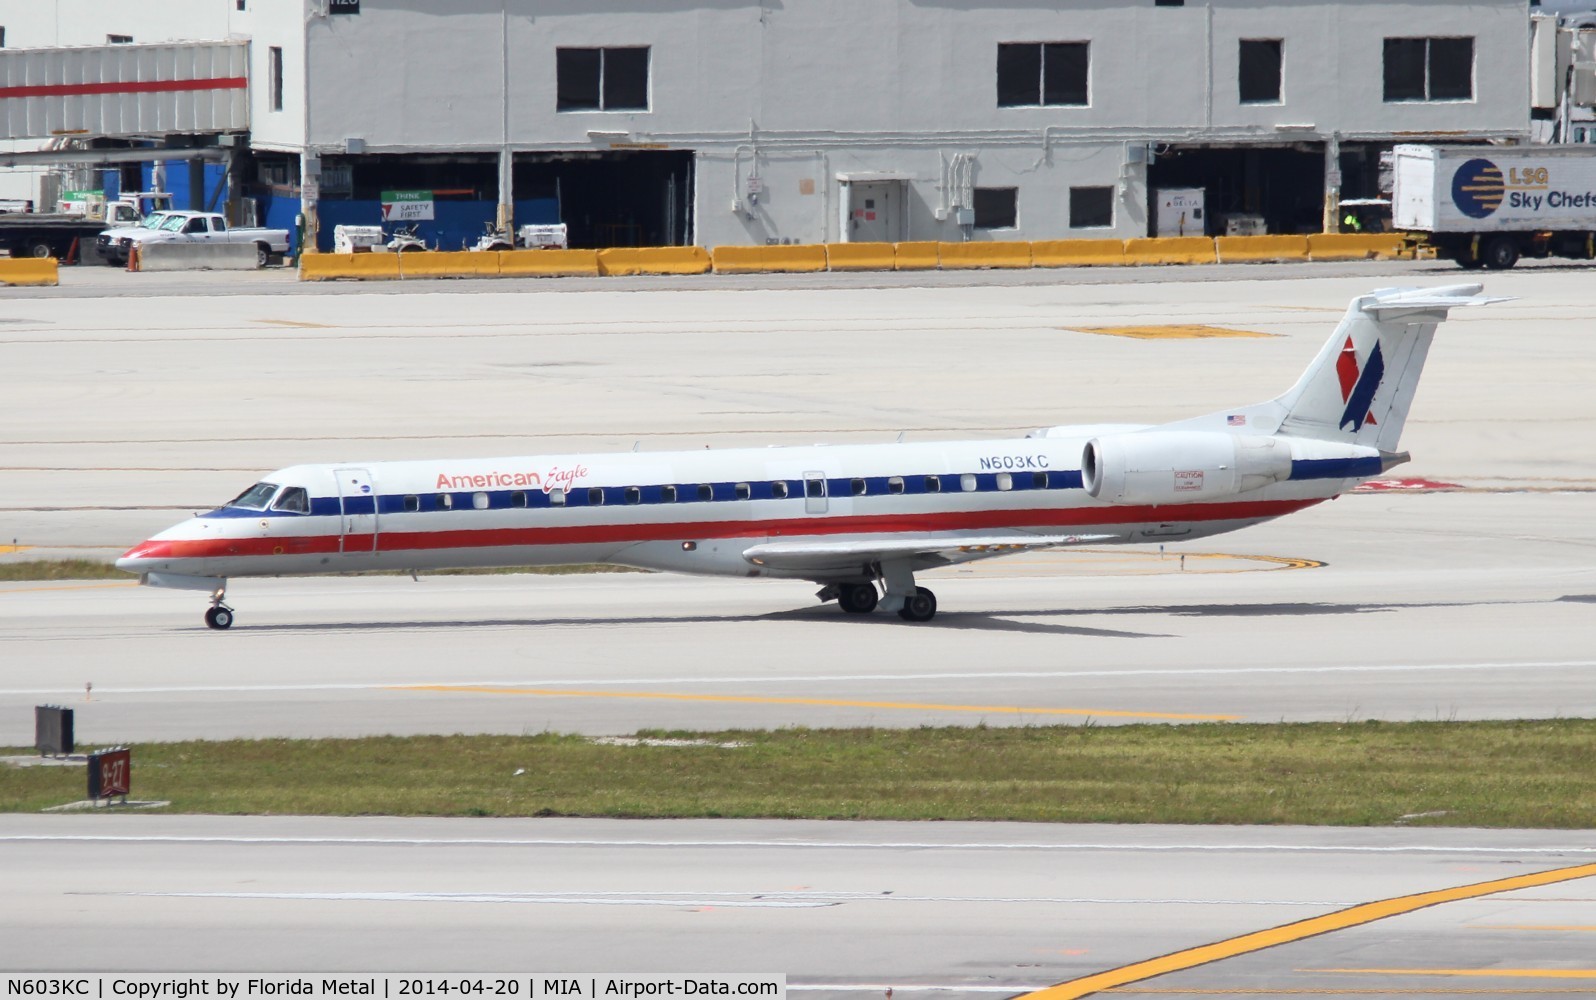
[1018, 622]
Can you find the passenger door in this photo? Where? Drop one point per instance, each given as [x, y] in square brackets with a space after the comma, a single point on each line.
[357, 497]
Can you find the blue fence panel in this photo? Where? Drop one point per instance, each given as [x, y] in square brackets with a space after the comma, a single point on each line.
[456, 224]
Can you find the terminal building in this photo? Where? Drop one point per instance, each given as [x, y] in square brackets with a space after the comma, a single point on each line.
[682, 122]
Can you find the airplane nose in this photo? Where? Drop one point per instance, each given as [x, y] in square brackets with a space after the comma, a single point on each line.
[136, 559]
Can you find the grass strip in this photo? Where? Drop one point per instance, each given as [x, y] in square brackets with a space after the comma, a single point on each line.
[1484, 774]
[93, 569]
[61, 569]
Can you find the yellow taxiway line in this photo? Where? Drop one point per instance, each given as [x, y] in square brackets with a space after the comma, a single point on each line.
[1102, 713]
[1286, 934]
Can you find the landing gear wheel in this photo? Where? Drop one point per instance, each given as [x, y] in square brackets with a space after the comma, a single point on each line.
[856, 598]
[1500, 253]
[219, 617]
[920, 606]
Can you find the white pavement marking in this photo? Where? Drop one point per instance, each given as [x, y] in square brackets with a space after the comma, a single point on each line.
[783, 844]
[817, 678]
[757, 898]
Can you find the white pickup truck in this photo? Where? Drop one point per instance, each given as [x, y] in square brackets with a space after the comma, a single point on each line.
[196, 227]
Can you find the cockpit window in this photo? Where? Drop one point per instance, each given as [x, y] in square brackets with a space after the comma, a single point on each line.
[293, 499]
[254, 498]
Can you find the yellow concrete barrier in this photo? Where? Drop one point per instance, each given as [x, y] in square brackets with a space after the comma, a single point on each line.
[1249, 248]
[917, 256]
[548, 263]
[1170, 250]
[653, 260]
[860, 256]
[1077, 253]
[996, 254]
[1355, 246]
[447, 264]
[749, 260]
[29, 271]
[329, 266]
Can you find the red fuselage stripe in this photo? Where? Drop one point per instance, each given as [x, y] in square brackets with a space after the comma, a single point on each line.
[469, 538]
[125, 87]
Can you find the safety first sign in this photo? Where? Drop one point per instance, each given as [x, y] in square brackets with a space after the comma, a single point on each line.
[406, 206]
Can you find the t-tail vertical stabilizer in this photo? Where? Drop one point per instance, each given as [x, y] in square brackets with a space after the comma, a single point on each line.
[1358, 390]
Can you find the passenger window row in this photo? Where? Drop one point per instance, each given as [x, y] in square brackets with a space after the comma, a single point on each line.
[597, 496]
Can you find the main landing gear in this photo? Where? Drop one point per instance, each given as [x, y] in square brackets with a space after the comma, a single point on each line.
[219, 615]
[912, 603]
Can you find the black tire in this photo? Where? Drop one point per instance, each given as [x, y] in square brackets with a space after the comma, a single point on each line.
[412, 248]
[219, 617]
[921, 606]
[38, 250]
[1499, 253]
[263, 255]
[857, 598]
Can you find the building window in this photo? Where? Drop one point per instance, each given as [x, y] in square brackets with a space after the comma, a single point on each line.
[1429, 69]
[1258, 71]
[601, 79]
[997, 208]
[1091, 207]
[1045, 74]
[1169, 3]
[119, 39]
[275, 77]
[2, 36]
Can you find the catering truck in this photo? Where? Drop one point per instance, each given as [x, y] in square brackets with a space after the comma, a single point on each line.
[1487, 206]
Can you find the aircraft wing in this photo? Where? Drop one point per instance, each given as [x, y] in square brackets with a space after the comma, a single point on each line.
[931, 550]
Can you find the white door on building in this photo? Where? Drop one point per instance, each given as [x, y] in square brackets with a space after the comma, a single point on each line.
[875, 212]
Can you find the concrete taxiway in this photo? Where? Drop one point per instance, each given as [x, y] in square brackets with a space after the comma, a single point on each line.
[1440, 606]
[954, 909]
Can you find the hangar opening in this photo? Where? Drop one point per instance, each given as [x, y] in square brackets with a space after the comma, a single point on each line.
[1283, 186]
[615, 198]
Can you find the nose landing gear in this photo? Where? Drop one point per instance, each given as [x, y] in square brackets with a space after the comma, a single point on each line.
[219, 615]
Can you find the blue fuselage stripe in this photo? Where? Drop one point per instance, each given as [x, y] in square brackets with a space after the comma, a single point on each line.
[686, 493]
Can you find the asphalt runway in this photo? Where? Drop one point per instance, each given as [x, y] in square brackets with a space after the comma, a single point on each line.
[130, 403]
[843, 909]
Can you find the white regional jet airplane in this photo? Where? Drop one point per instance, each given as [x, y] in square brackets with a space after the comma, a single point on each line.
[848, 518]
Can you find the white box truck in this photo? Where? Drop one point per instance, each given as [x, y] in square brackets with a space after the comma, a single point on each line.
[1487, 206]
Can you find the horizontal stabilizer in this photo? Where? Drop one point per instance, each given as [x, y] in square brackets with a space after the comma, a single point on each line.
[1390, 302]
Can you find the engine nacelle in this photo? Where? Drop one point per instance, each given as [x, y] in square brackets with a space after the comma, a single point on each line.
[1172, 467]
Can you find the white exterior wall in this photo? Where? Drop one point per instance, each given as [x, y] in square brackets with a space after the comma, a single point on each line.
[809, 89]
